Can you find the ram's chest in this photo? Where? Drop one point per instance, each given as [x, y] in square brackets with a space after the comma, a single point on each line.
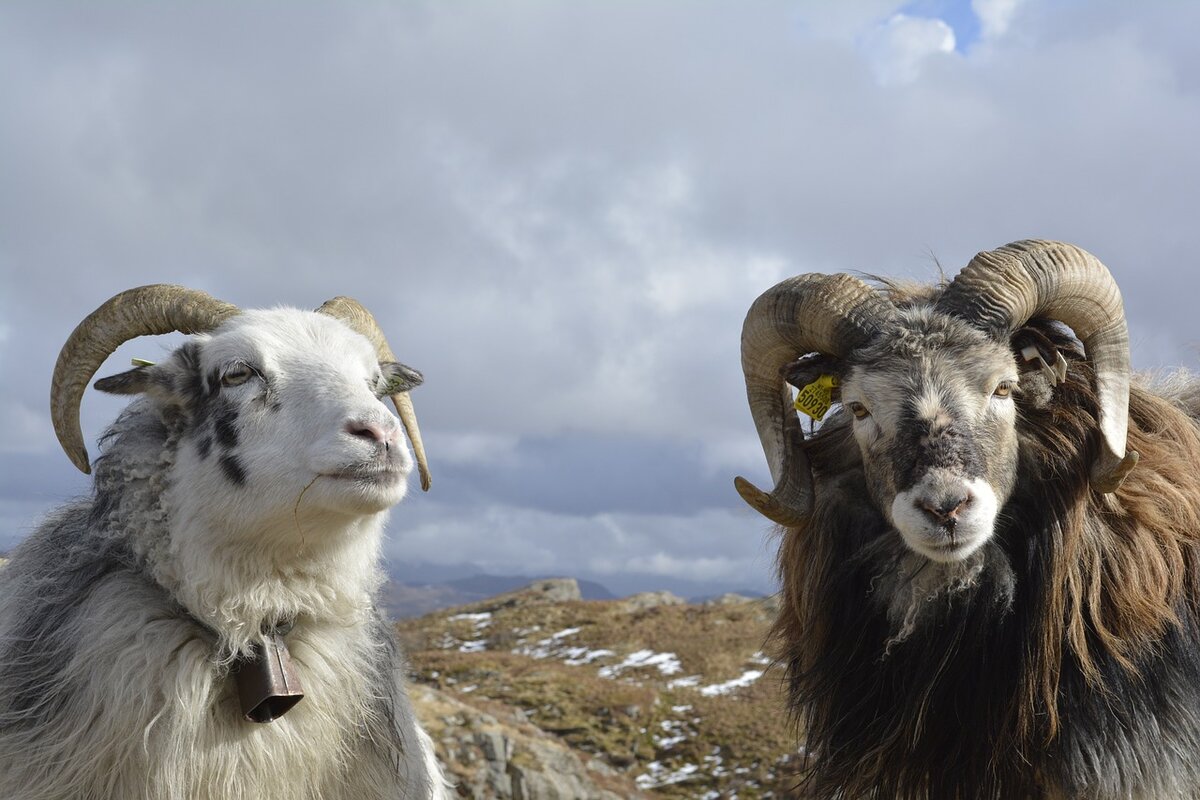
[300, 755]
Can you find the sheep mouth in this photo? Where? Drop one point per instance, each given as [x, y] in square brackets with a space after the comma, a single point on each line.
[377, 475]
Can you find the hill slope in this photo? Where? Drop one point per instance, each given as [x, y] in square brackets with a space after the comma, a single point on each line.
[650, 695]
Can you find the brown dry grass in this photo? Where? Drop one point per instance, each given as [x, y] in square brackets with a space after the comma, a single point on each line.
[740, 742]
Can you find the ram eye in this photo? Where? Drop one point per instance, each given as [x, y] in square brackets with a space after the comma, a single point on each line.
[237, 375]
[858, 410]
[1003, 389]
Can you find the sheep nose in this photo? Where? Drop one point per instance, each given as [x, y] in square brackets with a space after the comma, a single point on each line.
[372, 431]
[945, 507]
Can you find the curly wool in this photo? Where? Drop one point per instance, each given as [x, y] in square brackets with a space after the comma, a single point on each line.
[111, 686]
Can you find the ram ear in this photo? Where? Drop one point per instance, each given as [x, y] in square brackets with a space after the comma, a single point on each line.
[172, 380]
[1035, 350]
[399, 377]
[806, 370]
[134, 381]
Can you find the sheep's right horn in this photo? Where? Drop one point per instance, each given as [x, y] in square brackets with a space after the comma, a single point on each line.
[354, 314]
[1002, 289]
[144, 311]
[814, 313]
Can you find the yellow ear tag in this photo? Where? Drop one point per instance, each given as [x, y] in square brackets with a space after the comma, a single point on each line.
[816, 398]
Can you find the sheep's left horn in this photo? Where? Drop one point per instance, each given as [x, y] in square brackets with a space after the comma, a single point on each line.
[354, 314]
[830, 314]
[144, 311]
[1002, 289]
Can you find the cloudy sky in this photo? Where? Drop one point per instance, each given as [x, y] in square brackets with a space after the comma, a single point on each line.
[561, 212]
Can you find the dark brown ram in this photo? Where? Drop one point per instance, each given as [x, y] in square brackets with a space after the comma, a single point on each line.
[986, 593]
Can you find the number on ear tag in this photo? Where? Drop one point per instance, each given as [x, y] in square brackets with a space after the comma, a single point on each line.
[816, 398]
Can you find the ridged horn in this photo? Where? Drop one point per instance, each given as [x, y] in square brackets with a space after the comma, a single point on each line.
[354, 314]
[1002, 289]
[814, 313]
[144, 311]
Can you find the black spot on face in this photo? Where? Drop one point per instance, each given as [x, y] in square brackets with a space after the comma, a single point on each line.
[225, 425]
[205, 446]
[214, 380]
[922, 445]
[191, 384]
[233, 469]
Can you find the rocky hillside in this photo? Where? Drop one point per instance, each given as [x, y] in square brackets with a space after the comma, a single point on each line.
[540, 694]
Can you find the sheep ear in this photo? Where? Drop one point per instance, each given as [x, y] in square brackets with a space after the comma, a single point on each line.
[134, 381]
[399, 378]
[1032, 346]
[806, 370]
[145, 377]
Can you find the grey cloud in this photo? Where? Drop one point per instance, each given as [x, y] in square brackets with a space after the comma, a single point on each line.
[562, 211]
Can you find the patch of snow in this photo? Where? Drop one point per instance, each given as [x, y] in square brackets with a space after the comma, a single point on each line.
[667, 663]
[688, 682]
[582, 655]
[546, 647]
[716, 764]
[675, 734]
[658, 775]
[748, 677]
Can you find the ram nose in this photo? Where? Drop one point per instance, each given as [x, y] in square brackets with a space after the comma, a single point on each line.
[374, 432]
[944, 507]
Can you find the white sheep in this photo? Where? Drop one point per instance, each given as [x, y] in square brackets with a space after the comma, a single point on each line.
[236, 520]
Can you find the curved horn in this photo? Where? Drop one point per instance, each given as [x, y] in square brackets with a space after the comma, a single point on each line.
[352, 312]
[144, 311]
[831, 314]
[1002, 289]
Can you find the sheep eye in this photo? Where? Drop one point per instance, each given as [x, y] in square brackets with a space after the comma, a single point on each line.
[1003, 389]
[236, 375]
[858, 410]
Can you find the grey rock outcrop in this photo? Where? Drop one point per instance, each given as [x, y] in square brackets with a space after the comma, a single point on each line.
[491, 757]
[645, 600]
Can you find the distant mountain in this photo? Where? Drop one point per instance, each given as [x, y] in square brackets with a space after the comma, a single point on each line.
[488, 585]
[749, 594]
[425, 587]
[404, 598]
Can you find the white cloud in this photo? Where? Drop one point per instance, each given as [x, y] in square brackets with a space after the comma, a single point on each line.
[995, 16]
[843, 21]
[898, 48]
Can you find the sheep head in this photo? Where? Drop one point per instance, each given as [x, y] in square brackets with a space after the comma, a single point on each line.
[930, 386]
[264, 399]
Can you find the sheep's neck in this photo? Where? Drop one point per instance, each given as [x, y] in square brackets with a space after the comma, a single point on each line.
[235, 583]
